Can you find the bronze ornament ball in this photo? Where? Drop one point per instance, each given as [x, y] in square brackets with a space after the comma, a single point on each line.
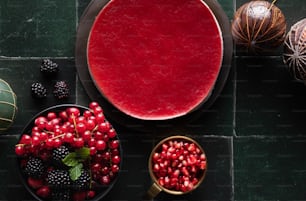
[258, 26]
[294, 55]
[8, 106]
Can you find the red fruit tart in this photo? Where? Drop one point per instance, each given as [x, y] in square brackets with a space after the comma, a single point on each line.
[155, 59]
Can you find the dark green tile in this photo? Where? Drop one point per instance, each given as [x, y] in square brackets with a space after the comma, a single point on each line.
[37, 28]
[20, 74]
[228, 7]
[269, 102]
[218, 119]
[270, 169]
[82, 4]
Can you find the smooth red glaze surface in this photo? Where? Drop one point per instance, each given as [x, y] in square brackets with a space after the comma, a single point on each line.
[155, 59]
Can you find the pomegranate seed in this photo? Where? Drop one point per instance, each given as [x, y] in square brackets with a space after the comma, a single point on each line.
[161, 181]
[156, 167]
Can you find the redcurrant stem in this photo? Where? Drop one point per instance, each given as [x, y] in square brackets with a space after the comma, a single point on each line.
[75, 125]
[55, 137]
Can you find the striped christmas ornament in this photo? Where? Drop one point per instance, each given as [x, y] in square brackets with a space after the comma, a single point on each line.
[8, 105]
[259, 26]
[295, 50]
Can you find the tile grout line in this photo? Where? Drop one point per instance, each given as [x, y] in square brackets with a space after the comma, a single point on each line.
[232, 169]
[76, 27]
[234, 115]
[31, 58]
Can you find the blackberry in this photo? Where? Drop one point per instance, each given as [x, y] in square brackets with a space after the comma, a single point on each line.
[38, 90]
[83, 182]
[34, 167]
[61, 90]
[59, 154]
[58, 178]
[49, 67]
[60, 195]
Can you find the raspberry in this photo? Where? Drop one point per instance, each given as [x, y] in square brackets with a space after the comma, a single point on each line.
[49, 67]
[61, 90]
[38, 90]
[34, 167]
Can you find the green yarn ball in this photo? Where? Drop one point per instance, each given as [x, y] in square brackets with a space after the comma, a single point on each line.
[8, 105]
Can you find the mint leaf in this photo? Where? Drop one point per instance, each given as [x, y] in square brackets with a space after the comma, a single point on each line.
[83, 153]
[75, 172]
[74, 160]
[71, 159]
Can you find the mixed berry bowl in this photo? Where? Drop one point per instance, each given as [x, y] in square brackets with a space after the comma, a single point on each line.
[69, 152]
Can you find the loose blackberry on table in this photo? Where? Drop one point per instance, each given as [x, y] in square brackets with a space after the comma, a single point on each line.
[49, 67]
[61, 90]
[38, 90]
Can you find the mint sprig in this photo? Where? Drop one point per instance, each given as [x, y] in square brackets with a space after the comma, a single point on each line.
[75, 160]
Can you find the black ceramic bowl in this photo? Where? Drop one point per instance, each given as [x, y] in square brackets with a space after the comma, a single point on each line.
[100, 189]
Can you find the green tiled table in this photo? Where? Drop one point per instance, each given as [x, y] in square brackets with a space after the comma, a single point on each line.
[254, 134]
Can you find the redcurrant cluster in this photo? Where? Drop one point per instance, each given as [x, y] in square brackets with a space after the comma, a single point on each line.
[75, 128]
[178, 165]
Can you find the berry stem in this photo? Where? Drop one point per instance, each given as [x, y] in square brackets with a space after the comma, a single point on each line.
[75, 125]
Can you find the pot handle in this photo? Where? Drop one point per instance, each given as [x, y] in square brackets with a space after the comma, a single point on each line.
[153, 191]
